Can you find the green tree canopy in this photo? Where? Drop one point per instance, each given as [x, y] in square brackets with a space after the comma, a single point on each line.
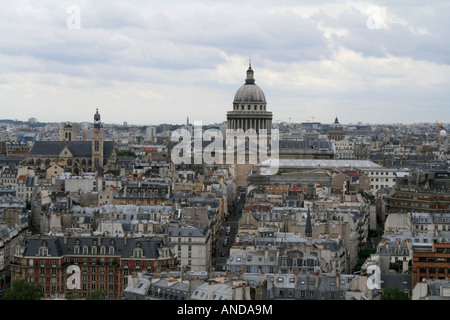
[97, 295]
[23, 290]
[393, 294]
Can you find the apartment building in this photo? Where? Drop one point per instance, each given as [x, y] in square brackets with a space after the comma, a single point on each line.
[431, 262]
[381, 178]
[192, 246]
[8, 177]
[148, 192]
[344, 149]
[308, 286]
[428, 192]
[79, 265]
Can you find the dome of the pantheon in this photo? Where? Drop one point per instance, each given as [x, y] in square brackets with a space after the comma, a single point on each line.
[249, 92]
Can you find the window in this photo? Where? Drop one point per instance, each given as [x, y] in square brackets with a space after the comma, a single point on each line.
[138, 253]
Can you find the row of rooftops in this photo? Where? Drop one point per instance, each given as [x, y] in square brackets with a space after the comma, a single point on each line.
[274, 286]
[58, 246]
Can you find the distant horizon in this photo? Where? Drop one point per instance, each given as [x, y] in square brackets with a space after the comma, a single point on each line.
[216, 123]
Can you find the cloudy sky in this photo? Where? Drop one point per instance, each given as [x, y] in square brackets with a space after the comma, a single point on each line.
[151, 62]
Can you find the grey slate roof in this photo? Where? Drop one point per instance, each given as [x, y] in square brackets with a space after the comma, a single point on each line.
[305, 144]
[57, 247]
[78, 148]
[186, 232]
[163, 289]
[401, 281]
[326, 287]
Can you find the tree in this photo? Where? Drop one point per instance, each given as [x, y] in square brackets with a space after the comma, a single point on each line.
[23, 290]
[97, 295]
[363, 255]
[393, 294]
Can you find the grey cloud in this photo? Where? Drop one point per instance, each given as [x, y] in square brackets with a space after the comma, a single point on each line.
[423, 40]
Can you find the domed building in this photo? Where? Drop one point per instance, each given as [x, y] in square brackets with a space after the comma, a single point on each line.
[249, 107]
[336, 131]
[249, 112]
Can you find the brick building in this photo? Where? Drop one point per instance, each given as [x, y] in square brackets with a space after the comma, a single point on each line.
[432, 262]
[79, 265]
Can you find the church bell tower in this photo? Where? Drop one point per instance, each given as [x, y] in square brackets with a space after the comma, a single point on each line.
[97, 143]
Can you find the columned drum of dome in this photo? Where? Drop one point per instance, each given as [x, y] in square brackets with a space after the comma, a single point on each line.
[249, 107]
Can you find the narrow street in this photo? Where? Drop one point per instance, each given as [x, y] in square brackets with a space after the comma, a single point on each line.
[226, 240]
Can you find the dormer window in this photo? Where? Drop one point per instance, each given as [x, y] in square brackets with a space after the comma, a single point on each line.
[138, 253]
[43, 250]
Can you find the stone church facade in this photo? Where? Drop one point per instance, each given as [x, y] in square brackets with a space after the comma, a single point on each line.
[74, 156]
